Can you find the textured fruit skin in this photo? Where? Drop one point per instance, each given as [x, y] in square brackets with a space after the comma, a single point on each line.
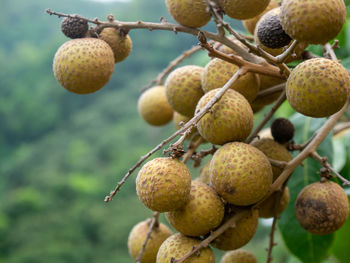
[138, 235]
[178, 118]
[154, 107]
[202, 213]
[250, 24]
[176, 246]
[163, 184]
[318, 87]
[204, 175]
[267, 208]
[83, 65]
[183, 89]
[240, 173]
[271, 33]
[313, 21]
[230, 119]
[191, 13]
[243, 9]
[238, 256]
[278, 51]
[217, 72]
[236, 237]
[282, 130]
[121, 44]
[74, 27]
[265, 83]
[322, 208]
[275, 151]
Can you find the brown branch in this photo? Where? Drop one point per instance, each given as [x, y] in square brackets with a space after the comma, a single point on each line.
[329, 52]
[272, 90]
[324, 163]
[199, 156]
[217, 15]
[272, 242]
[341, 127]
[278, 164]
[160, 78]
[186, 128]
[154, 223]
[267, 117]
[192, 149]
[282, 57]
[167, 27]
[205, 243]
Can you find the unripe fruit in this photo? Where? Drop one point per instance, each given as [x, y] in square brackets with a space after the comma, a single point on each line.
[250, 24]
[201, 214]
[238, 256]
[83, 65]
[275, 151]
[154, 107]
[298, 50]
[243, 9]
[193, 13]
[164, 184]
[313, 22]
[239, 235]
[217, 72]
[268, 207]
[282, 130]
[318, 87]
[176, 246]
[183, 89]
[271, 33]
[138, 236]
[322, 208]
[74, 27]
[120, 43]
[230, 119]
[240, 173]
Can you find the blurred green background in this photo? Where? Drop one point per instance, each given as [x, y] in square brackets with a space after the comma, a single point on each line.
[61, 153]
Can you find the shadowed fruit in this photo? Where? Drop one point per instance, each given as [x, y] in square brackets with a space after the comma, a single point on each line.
[176, 246]
[275, 151]
[120, 43]
[191, 13]
[267, 208]
[164, 184]
[74, 27]
[318, 87]
[153, 106]
[238, 256]
[178, 118]
[282, 130]
[322, 208]
[204, 175]
[243, 9]
[217, 72]
[240, 173]
[249, 24]
[201, 214]
[138, 236]
[83, 65]
[241, 234]
[183, 89]
[230, 119]
[313, 21]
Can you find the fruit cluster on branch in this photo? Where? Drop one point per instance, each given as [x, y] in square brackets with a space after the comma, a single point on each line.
[247, 176]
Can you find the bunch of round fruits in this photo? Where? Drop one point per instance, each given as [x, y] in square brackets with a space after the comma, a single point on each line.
[239, 175]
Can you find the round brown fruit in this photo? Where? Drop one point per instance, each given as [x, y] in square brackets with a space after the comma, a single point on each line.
[240, 173]
[238, 256]
[164, 184]
[83, 65]
[120, 43]
[176, 246]
[268, 208]
[138, 236]
[230, 119]
[243, 9]
[202, 213]
[322, 208]
[318, 87]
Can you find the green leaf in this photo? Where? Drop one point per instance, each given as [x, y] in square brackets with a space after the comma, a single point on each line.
[307, 247]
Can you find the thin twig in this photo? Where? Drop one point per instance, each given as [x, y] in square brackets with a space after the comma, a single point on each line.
[272, 242]
[267, 117]
[153, 224]
[325, 164]
[282, 57]
[272, 90]
[183, 130]
[192, 149]
[278, 164]
[160, 78]
[341, 127]
[205, 243]
[329, 51]
[199, 156]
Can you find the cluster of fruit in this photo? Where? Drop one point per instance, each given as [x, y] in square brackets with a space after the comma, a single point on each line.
[239, 175]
